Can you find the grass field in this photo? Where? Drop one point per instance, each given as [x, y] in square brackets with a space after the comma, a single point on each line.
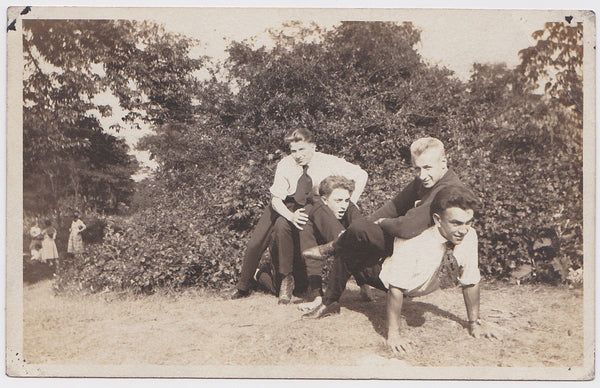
[540, 325]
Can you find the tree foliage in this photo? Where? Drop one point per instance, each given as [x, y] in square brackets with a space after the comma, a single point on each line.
[555, 62]
[68, 155]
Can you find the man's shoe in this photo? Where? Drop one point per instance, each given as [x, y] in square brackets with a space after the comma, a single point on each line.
[322, 311]
[320, 252]
[239, 294]
[286, 290]
[309, 306]
[264, 282]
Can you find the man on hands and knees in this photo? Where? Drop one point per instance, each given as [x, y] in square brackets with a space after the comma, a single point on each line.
[442, 256]
[297, 178]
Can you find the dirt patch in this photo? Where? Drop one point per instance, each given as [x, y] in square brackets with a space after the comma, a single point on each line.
[541, 326]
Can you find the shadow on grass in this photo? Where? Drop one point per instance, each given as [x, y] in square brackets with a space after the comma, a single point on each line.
[413, 311]
[35, 271]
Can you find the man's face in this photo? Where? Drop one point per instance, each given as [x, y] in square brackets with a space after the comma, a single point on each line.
[338, 202]
[454, 223]
[302, 152]
[430, 167]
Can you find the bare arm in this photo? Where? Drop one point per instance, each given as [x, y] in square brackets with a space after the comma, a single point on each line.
[298, 218]
[471, 297]
[395, 342]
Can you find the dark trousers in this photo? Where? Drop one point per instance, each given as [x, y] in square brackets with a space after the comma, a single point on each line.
[341, 272]
[359, 252]
[322, 228]
[285, 255]
[259, 240]
[284, 239]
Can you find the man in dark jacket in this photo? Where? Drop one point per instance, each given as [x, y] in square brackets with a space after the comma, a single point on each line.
[367, 241]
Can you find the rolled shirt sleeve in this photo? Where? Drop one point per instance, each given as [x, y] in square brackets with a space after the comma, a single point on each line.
[398, 269]
[281, 183]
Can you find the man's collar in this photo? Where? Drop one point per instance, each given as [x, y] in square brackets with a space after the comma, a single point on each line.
[313, 160]
[448, 175]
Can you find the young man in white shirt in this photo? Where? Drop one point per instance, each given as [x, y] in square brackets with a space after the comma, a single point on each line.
[297, 179]
[442, 256]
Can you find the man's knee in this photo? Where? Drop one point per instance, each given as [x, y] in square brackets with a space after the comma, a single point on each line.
[362, 239]
[282, 227]
[363, 230]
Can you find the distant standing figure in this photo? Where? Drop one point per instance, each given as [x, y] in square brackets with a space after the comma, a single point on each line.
[49, 251]
[35, 246]
[75, 245]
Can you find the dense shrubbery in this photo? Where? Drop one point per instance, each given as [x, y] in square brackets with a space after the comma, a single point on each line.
[365, 93]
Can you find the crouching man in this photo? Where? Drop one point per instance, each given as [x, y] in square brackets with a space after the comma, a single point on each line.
[443, 256]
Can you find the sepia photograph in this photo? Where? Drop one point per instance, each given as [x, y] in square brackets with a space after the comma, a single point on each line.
[300, 193]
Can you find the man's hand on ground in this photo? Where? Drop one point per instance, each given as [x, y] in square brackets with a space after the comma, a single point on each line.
[482, 329]
[398, 344]
[299, 218]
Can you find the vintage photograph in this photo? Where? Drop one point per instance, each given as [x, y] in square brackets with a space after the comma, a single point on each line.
[301, 193]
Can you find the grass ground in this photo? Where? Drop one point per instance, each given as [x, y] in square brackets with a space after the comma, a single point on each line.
[540, 325]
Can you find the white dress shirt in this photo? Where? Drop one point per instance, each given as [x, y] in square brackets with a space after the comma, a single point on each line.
[414, 263]
[320, 167]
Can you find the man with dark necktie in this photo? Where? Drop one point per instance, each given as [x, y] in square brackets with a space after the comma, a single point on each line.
[297, 178]
[443, 256]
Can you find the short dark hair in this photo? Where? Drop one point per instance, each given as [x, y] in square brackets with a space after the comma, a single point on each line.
[48, 222]
[453, 196]
[333, 182]
[299, 134]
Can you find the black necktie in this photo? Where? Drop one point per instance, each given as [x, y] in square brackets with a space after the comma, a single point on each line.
[449, 269]
[303, 188]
